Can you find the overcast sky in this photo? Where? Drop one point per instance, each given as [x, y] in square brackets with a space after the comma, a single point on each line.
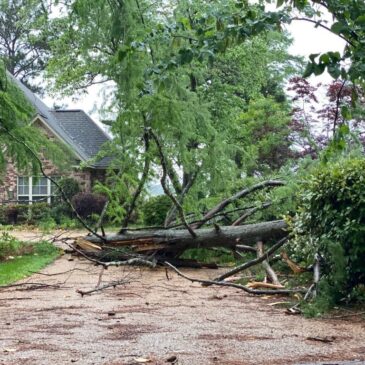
[307, 40]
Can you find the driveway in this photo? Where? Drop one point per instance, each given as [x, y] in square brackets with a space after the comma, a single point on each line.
[158, 317]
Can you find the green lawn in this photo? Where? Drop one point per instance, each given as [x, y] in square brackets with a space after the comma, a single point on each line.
[43, 253]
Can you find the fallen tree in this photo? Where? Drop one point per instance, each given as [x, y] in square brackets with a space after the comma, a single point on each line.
[171, 243]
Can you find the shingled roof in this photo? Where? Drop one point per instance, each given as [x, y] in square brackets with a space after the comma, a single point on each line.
[74, 127]
[83, 131]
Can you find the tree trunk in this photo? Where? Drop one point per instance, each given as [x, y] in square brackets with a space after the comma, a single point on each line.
[173, 242]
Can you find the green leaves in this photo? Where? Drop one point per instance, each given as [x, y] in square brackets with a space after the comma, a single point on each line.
[339, 27]
[331, 216]
[186, 55]
[330, 61]
[15, 118]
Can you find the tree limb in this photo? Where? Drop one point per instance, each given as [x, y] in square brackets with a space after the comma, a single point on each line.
[232, 285]
[165, 188]
[253, 262]
[269, 271]
[219, 207]
[172, 212]
[146, 169]
[249, 213]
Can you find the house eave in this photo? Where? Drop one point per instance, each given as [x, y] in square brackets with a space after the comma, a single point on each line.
[40, 118]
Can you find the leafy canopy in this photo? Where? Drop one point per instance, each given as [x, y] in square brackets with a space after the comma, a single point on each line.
[173, 80]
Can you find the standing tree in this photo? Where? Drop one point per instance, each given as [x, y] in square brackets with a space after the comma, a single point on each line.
[24, 36]
[178, 96]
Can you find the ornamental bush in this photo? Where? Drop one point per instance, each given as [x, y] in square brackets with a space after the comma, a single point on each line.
[69, 186]
[155, 210]
[88, 204]
[24, 213]
[331, 222]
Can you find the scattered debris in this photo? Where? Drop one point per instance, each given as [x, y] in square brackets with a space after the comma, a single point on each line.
[142, 360]
[9, 350]
[171, 359]
[326, 339]
[293, 310]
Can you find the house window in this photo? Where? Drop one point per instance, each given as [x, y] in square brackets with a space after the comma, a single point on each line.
[35, 188]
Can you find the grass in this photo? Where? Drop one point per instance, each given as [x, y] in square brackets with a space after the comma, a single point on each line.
[27, 258]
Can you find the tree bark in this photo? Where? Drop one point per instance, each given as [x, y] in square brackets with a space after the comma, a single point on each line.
[175, 241]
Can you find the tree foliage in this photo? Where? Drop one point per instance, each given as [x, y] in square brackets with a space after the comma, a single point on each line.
[17, 136]
[24, 35]
[324, 115]
[348, 24]
[330, 222]
[175, 88]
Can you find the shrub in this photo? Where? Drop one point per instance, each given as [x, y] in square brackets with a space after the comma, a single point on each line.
[69, 186]
[47, 225]
[11, 214]
[87, 204]
[3, 218]
[330, 222]
[60, 211]
[155, 210]
[34, 213]
[9, 245]
[60, 208]
[24, 213]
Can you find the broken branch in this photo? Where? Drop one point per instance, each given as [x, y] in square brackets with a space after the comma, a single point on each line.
[239, 195]
[237, 286]
[256, 261]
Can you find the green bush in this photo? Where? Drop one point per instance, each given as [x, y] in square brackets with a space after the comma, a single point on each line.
[34, 213]
[69, 186]
[9, 245]
[331, 222]
[155, 210]
[24, 213]
[60, 209]
[3, 218]
[59, 212]
[47, 224]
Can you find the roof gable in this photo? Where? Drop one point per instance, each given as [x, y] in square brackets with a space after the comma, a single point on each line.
[84, 132]
[74, 127]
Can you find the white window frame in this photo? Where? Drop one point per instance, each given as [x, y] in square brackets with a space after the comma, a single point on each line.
[30, 195]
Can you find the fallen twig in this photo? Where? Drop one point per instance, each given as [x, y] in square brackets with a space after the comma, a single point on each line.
[113, 284]
[35, 285]
[57, 273]
[258, 284]
[326, 339]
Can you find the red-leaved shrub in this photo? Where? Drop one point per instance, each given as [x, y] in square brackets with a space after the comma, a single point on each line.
[87, 204]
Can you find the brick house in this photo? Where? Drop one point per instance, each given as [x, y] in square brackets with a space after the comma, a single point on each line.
[76, 130]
